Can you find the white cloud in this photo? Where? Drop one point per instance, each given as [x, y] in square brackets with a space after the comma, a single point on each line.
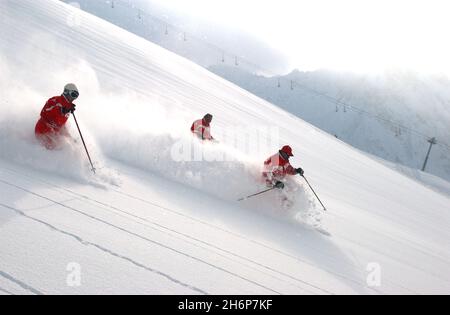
[346, 34]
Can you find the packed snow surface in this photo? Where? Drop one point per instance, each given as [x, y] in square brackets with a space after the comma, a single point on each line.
[151, 220]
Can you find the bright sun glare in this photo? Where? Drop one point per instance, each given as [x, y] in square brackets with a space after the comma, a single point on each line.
[356, 35]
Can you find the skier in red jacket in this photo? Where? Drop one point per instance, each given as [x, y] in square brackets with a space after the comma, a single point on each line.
[51, 125]
[201, 128]
[277, 167]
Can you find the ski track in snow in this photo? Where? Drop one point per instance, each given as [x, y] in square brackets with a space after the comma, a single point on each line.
[141, 237]
[331, 272]
[5, 291]
[22, 284]
[128, 213]
[345, 278]
[208, 244]
[87, 243]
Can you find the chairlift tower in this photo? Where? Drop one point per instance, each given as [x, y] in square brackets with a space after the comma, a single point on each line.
[431, 141]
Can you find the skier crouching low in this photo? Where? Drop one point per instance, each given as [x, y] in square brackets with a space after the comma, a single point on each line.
[51, 126]
[202, 127]
[276, 168]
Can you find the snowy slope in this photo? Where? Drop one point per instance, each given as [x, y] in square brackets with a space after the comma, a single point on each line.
[418, 102]
[149, 224]
[204, 41]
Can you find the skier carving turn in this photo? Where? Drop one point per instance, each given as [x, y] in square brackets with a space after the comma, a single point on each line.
[202, 128]
[51, 129]
[276, 168]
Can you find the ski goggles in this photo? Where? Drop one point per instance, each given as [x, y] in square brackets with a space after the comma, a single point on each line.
[74, 94]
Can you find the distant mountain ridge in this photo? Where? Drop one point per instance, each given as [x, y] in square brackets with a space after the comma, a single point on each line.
[419, 103]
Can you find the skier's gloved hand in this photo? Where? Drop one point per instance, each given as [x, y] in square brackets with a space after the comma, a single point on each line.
[279, 185]
[65, 110]
[300, 171]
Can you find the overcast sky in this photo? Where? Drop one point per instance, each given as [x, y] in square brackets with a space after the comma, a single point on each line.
[357, 35]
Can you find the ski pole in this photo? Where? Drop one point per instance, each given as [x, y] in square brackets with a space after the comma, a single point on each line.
[261, 192]
[325, 209]
[82, 139]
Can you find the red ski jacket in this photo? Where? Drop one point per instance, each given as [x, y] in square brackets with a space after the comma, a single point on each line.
[276, 168]
[202, 129]
[52, 121]
[52, 115]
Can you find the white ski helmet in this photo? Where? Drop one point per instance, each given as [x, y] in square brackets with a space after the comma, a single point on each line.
[71, 89]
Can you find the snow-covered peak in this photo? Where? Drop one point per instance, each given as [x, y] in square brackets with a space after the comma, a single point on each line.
[390, 115]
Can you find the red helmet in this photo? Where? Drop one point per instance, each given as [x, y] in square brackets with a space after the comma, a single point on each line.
[287, 149]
